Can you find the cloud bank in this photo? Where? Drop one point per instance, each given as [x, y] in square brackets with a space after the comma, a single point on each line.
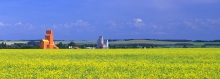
[136, 27]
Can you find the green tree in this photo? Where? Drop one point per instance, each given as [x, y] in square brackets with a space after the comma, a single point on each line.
[72, 44]
[184, 46]
[5, 45]
[1, 45]
[152, 46]
[60, 45]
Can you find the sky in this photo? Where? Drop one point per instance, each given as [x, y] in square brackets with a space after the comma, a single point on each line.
[112, 19]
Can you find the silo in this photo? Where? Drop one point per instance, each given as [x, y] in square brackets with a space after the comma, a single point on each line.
[106, 43]
[100, 42]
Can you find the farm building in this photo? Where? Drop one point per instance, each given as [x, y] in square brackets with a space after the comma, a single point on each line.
[102, 43]
[48, 42]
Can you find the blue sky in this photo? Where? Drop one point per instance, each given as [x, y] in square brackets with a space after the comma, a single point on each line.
[113, 19]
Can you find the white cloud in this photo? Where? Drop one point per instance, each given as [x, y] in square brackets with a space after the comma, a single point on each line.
[19, 23]
[198, 20]
[29, 26]
[54, 26]
[139, 23]
[112, 24]
[190, 24]
[138, 20]
[81, 23]
[212, 21]
[66, 25]
[134, 26]
[2, 24]
[77, 25]
[157, 27]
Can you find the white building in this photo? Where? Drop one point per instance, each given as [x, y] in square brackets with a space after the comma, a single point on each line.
[102, 43]
[106, 43]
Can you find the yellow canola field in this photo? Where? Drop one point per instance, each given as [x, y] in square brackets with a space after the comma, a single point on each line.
[110, 63]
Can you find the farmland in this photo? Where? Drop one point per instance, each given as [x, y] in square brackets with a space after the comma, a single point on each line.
[111, 63]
